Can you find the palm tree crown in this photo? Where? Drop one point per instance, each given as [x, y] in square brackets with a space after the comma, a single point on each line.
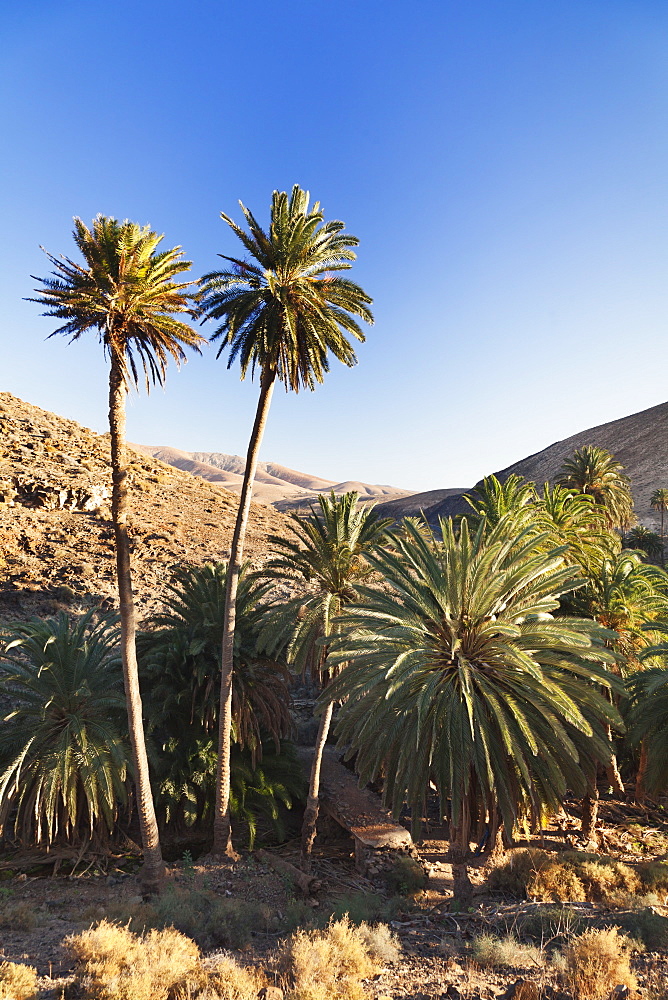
[327, 550]
[127, 292]
[463, 677]
[596, 472]
[63, 759]
[286, 308]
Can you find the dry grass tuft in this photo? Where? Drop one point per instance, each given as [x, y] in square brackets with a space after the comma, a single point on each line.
[115, 964]
[17, 982]
[596, 962]
[606, 879]
[493, 952]
[381, 942]
[557, 882]
[329, 964]
[219, 977]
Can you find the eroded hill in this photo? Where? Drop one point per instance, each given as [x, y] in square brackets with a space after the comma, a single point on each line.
[56, 538]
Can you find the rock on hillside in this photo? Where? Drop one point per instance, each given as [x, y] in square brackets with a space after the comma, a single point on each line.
[56, 537]
[640, 442]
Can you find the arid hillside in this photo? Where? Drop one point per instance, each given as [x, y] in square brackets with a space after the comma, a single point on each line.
[56, 539]
[639, 441]
[285, 489]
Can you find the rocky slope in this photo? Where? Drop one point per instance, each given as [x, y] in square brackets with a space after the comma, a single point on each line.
[56, 538]
[639, 441]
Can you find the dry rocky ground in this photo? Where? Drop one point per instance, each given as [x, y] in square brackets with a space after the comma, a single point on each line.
[56, 538]
[257, 908]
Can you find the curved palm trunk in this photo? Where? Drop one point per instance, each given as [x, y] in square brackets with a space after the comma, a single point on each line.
[222, 828]
[312, 803]
[154, 870]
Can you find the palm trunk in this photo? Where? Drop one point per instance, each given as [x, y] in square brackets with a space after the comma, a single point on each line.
[457, 854]
[663, 554]
[222, 828]
[612, 768]
[589, 816]
[640, 792]
[153, 871]
[312, 804]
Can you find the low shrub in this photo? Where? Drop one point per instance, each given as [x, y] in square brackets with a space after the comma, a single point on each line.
[647, 925]
[328, 964]
[219, 977]
[513, 874]
[17, 982]
[367, 907]
[654, 876]
[554, 924]
[596, 962]
[381, 942]
[406, 877]
[495, 952]
[115, 964]
[604, 879]
[210, 920]
[20, 917]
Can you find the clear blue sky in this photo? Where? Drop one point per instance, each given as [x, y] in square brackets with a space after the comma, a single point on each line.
[504, 163]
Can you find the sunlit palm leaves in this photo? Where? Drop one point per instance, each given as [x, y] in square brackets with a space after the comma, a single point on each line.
[127, 292]
[285, 306]
[63, 758]
[463, 677]
[597, 473]
[326, 551]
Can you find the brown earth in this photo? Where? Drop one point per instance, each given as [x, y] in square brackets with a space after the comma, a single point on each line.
[56, 538]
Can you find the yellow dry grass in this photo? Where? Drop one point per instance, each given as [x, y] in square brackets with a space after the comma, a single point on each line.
[596, 962]
[329, 964]
[115, 964]
[17, 982]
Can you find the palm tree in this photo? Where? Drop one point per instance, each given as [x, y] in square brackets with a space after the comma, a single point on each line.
[326, 551]
[180, 657]
[63, 758]
[281, 311]
[126, 291]
[597, 473]
[578, 522]
[646, 540]
[648, 725]
[659, 501]
[462, 677]
[493, 499]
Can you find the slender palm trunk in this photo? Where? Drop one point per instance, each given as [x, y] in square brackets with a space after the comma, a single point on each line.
[462, 887]
[663, 553]
[640, 792]
[154, 870]
[312, 803]
[589, 816]
[222, 828]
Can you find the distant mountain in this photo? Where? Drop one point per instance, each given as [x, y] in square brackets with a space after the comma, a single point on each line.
[283, 488]
[639, 442]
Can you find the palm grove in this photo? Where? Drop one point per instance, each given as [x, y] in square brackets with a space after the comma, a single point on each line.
[491, 664]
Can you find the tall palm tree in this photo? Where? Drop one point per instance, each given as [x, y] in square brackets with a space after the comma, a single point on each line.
[493, 499]
[462, 677]
[127, 292]
[597, 473]
[646, 540]
[281, 311]
[327, 551]
[659, 501]
[63, 756]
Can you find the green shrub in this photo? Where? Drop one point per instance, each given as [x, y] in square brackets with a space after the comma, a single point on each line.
[363, 907]
[406, 877]
[645, 924]
[490, 951]
[654, 876]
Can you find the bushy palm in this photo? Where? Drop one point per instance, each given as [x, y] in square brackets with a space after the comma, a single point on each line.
[493, 499]
[645, 540]
[327, 553]
[180, 658]
[63, 753]
[597, 473]
[282, 310]
[463, 677]
[578, 522]
[648, 721]
[127, 291]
